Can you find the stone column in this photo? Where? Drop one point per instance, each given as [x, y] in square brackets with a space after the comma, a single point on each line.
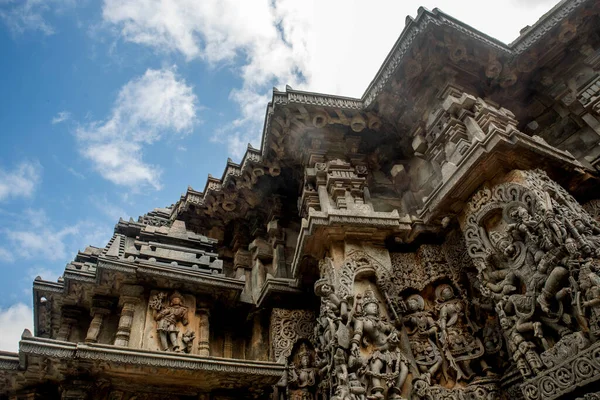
[124, 329]
[203, 331]
[99, 309]
[128, 300]
[69, 317]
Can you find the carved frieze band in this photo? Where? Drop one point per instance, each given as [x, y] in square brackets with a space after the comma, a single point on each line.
[570, 374]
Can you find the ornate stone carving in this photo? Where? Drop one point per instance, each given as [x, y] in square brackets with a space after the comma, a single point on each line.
[169, 315]
[422, 332]
[458, 343]
[302, 374]
[536, 250]
[387, 363]
[287, 327]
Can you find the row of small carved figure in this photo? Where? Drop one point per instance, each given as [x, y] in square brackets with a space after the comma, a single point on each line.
[361, 346]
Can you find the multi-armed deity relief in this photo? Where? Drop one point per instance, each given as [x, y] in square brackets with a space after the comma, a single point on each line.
[537, 252]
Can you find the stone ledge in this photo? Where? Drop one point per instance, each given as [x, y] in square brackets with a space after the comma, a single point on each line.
[479, 157]
[277, 285]
[178, 274]
[383, 221]
[98, 352]
[9, 361]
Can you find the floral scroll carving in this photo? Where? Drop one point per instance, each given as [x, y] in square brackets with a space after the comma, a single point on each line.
[287, 327]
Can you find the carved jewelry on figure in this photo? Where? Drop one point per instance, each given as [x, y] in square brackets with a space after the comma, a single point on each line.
[422, 331]
[302, 375]
[536, 250]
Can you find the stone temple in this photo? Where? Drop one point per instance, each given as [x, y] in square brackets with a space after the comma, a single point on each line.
[437, 238]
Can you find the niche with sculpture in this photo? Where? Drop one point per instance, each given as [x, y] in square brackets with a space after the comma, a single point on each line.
[171, 322]
[302, 372]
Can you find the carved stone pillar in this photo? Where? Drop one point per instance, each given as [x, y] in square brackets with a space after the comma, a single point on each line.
[128, 300]
[70, 316]
[124, 329]
[99, 310]
[203, 331]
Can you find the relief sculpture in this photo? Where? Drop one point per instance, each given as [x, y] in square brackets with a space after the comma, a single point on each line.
[537, 254]
[387, 336]
[169, 317]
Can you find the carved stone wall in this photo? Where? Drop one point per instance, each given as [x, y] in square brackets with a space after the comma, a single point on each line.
[404, 328]
[537, 252]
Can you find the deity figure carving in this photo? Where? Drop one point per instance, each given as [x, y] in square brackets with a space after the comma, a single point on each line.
[386, 361]
[458, 343]
[188, 340]
[331, 336]
[422, 331]
[333, 314]
[537, 254]
[302, 375]
[168, 319]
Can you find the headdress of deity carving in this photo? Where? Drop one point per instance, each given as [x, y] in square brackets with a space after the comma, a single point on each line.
[368, 298]
[444, 292]
[304, 353]
[323, 288]
[415, 303]
[176, 295]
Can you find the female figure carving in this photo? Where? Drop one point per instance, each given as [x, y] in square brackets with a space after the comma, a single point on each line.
[422, 330]
[458, 343]
[386, 362]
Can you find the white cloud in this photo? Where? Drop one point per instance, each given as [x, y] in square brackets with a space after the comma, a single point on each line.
[108, 208]
[31, 15]
[333, 46]
[61, 117]
[21, 181]
[38, 243]
[147, 109]
[38, 238]
[75, 173]
[6, 256]
[13, 320]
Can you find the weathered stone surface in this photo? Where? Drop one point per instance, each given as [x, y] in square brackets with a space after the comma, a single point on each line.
[424, 241]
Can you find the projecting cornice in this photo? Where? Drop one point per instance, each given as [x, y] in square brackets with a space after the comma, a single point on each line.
[198, 372]
[172, 274]
[507, 63]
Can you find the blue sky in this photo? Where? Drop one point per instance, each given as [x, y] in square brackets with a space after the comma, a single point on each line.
[109, 108]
